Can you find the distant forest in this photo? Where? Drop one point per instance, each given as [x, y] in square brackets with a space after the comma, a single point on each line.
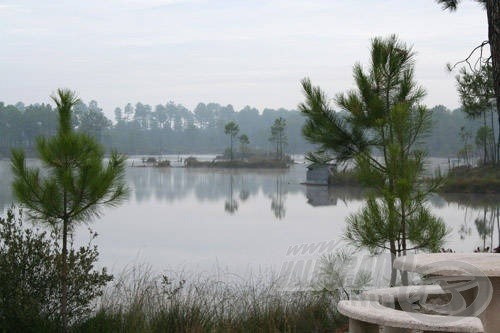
[172, 128]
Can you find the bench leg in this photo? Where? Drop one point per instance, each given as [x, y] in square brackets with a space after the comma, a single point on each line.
[356, 326]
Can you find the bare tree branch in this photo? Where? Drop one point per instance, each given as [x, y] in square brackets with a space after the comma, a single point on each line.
[475, 65]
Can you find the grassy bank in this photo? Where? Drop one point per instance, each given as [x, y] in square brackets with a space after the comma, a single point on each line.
[142, 302]
[253, 163]
[484, 179]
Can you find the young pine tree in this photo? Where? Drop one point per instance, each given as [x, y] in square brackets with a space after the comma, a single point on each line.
[232, 129]
[380, 132]
[72, 186]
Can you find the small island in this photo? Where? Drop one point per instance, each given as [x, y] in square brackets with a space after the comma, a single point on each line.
[257, 162]
[480, 179]
[245, 158]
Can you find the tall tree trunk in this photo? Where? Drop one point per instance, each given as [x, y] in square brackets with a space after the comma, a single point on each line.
[231, 149]
[404, 274]
[492, 228]
[485, 228]
[498, 224]
[493, 13]
[491, 140]
[64, 278]
[485, 141]
[394, 271]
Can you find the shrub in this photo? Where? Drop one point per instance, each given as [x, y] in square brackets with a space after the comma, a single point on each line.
[30, 264]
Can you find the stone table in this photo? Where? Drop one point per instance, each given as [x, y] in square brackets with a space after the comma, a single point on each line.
[474, 277]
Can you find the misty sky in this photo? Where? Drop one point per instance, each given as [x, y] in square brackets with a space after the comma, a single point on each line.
[230, 52]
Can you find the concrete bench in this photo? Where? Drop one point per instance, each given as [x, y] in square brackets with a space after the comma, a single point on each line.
[369, 316]
[409, 294]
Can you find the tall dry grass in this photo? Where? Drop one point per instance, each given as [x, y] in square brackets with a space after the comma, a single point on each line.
[140, 301]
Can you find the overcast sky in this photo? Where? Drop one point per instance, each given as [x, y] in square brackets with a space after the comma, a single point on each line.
[230, 52]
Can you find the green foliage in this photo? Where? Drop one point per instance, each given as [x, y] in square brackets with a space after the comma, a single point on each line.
[244, 139]
[278, 136]
[484, 138]
[335, 276]
[29, 278]
[476, 90]
[465, 152]
[199, 132]
[477, 96]
[318, 157]
[483, 179]
[382, 132]
[73, 186]
[375, 227]
[91, 120]
[244, 142]
[231, 129]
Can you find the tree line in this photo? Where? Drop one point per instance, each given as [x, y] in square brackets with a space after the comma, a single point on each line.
[172, 128]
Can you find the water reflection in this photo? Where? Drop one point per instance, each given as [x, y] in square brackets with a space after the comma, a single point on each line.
[330, 195]
[200, 216]
[485, 212]
[484, 227]
[233, 187]
[465, 230]
[206, 185]
[231, 205]
[473, 200]
[278, 199]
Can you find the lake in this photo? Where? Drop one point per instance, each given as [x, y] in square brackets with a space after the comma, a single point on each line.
[245, 221]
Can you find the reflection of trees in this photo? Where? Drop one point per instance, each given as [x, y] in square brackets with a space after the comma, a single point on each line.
[473, 200]
[172, 184]
[488, 206]
[485, 226]
[208, 186]
[465, 230]
[244, 194]
[278, 199]
[231, 205]
[244, 191]
[437, 201]
[329, 195]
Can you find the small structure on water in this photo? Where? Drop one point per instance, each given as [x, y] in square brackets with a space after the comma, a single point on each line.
[318, 174]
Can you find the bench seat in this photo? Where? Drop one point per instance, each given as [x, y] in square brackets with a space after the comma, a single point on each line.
[389, 296]
[367, 316]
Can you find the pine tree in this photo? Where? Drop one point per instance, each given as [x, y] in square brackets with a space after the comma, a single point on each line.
[380, 132]
[232, 130]
[73, 184]
[278, 136]
[244, 142]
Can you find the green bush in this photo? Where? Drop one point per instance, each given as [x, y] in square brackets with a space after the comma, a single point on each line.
[30, 263]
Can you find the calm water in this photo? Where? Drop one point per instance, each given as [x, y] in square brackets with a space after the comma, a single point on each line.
[198, 219]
